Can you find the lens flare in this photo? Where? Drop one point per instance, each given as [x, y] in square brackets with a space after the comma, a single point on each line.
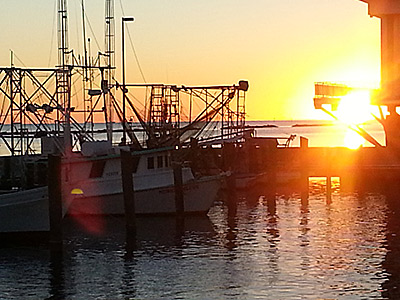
[355, 108]
[353, 140]
[76, 191]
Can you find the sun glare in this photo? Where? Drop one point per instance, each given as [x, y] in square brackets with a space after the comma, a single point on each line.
[355, 107]
[353, 140]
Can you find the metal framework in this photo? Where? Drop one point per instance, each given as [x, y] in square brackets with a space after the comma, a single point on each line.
[29, 102]
[32, 107]
[166, 122]
[37, 103]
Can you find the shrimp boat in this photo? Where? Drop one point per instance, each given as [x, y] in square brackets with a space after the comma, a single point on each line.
[40, 116]
[99, 185]
[96, 171]
[25, 210]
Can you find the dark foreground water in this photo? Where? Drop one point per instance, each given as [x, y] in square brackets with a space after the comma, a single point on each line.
[348, 249]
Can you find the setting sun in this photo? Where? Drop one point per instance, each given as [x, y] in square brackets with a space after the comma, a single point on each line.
[355, 108]
[353, 140]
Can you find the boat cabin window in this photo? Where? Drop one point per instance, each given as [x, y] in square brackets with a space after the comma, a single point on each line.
[150, 163]
[97, 169]
[160, 161]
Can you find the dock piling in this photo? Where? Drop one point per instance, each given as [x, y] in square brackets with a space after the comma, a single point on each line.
[178, 185]
[270, 162]
[231, 195]
[55, 199]
[328, 189]
[128, 191]
[304, 165]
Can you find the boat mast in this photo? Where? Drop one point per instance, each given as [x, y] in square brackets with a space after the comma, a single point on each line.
[110, 63]
[87, 107]
[63, 79]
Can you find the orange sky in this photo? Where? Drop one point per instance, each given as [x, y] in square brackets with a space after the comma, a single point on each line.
[281, 47]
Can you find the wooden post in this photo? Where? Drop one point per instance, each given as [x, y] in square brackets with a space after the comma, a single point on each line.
[55, 199]
[57, 275]
[231, 184]
[271, 178]
[231, 194]
[129, 195]
[328, 189]
[178, 183]
[304, 165]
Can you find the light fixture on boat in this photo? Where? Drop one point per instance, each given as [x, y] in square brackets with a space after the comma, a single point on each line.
[243, 85]
[47, 108]
[76, 192]
[104, 86]
[128, 19]
[94, 92]
[31, 108]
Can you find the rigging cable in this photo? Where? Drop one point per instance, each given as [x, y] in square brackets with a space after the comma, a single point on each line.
[16, 56]
[88, 23]
[52, 32]
[133, 47]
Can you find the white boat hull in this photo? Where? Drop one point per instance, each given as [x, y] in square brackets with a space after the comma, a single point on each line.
[25, 211]
[198, 195]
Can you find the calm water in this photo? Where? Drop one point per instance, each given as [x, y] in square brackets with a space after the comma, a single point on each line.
[348, 249]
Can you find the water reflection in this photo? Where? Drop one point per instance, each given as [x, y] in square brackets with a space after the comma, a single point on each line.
[391, 264]
[57, 275]
[231, 234]
[260, 244]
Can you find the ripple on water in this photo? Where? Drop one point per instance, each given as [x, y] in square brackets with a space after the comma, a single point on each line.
[321, 251]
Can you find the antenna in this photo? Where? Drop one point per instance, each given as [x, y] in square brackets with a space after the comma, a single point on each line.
[62, 33]
[84, 41]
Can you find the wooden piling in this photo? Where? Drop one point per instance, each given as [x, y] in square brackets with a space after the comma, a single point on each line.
[55, 199]
[328, 189]
[178, 184]
[231, 183]
[231, 200]
[271, 167]
[128, 191]
[304, 165]
[57, 275]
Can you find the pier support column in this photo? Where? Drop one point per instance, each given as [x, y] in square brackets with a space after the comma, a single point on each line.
[304, 171]
[129, 195]
[328, 189]
[178, 184]
[55, 199]
[231, 195]
[271, 179]
[179, 201]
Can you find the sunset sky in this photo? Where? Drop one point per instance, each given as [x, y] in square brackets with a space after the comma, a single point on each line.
[281, 47]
